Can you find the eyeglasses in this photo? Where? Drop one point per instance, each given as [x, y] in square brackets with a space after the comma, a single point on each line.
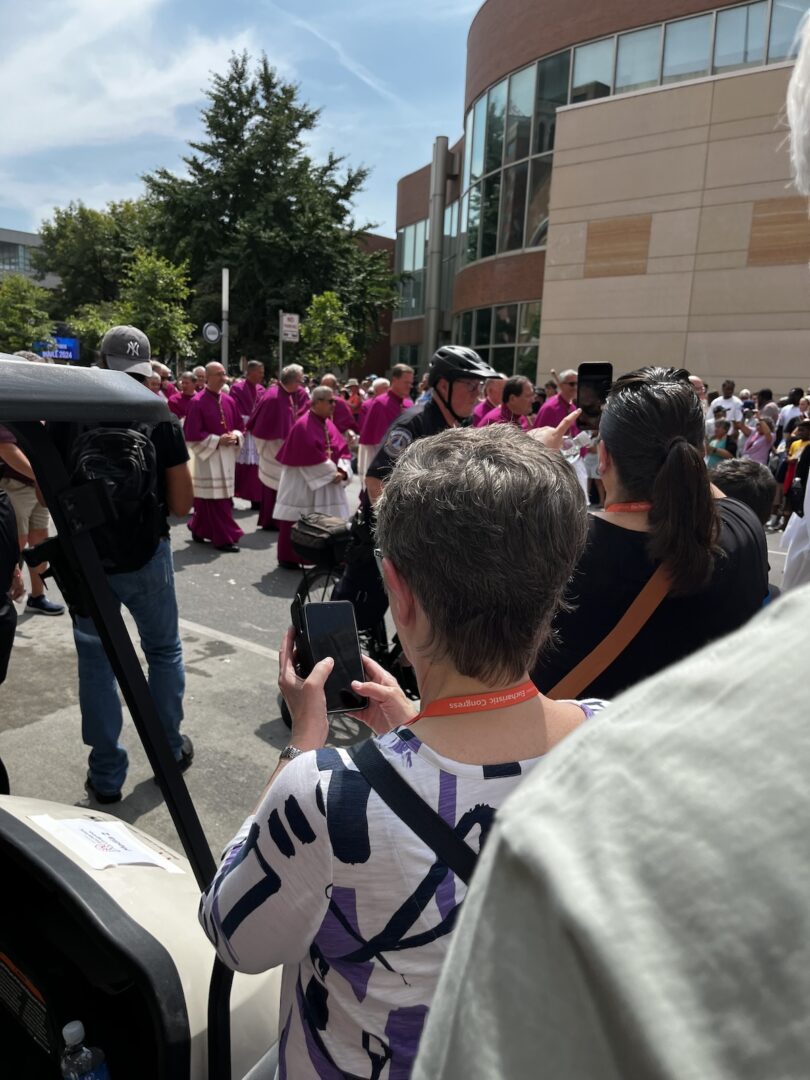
[569, 382]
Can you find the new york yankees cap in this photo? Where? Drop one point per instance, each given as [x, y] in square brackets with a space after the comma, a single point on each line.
[126, 348]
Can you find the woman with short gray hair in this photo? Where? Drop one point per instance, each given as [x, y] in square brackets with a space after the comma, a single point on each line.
[478, 532]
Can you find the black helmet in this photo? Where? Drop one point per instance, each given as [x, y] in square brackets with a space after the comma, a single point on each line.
[458, 362]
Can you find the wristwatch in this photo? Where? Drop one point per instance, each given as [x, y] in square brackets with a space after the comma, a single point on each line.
[289, 752]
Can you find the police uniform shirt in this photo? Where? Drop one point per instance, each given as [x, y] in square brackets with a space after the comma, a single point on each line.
[413, 424]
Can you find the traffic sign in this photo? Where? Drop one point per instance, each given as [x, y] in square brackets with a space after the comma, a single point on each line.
[211, 333]
[289, 327]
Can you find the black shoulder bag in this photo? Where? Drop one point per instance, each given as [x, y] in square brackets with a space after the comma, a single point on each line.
[410, 808]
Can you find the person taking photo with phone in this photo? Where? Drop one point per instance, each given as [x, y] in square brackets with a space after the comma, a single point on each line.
[325, 877]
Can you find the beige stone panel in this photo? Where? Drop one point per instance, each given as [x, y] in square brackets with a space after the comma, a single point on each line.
[742, 96]
[618, 297]
[624, 351]
[752, 289]
[618, 246]
[722, 260]
[674, 233]
[780, 232]
[725, 228]
[566, 243]
[736, 129]
[564, 273]
[658, 204]
[665, 172]
[650, 325]
[671, 264]
[756, 159]
[772, 189]
[664, 140]
[667, 109]
[769, 357]
[794, 320]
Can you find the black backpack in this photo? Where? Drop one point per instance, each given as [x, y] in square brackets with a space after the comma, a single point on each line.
[124, 460]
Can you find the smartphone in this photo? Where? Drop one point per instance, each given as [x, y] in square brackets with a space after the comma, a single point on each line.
[330, 629]
[593, 385]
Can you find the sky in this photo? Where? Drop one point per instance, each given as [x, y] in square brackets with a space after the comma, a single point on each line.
[95, 93]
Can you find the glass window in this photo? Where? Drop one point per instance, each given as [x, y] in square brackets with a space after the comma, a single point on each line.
[513, 207]
[552, 90]
[686, 48]
[505, 324]
[787, 14]
[496, 117]
[530, 323]
[519, 117]
[503, 360]
[468, 145]
[489, 215]
[537, 211]
[400, 251]
[526, 364]
[483, 326]
[740, 37]
[407, 261]
[462, 229]
[479, 131]
[483, 353]
[473, 222]
[419, 245]
[638, 60]
[466, 328]
[593, 71]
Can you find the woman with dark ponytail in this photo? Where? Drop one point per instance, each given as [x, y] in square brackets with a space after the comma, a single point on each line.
[660, 509]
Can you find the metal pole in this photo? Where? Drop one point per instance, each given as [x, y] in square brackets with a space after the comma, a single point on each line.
[280, 342]
[433, 285]
[226, 301]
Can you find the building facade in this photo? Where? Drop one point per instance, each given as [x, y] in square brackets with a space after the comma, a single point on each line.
[621, 192]
[15, 255]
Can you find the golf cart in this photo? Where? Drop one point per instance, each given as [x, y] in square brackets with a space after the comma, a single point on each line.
[117, 946]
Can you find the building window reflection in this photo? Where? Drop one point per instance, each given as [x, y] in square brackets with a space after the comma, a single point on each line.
[506, 336]
[740, 37]
[593, 71]
[687, 48]
[638, 59]
[785, 20]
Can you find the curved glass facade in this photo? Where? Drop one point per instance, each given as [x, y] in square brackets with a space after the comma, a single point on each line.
[509, 131]
[505, 335]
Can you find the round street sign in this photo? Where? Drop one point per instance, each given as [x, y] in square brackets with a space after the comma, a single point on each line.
[211, 333]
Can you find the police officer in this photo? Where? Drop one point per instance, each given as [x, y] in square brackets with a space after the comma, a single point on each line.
[455, 377]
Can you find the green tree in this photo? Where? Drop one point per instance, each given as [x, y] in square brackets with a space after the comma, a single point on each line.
[152, 297]
[91, 250]
[325, 341]
[253, 200]
[23, 313]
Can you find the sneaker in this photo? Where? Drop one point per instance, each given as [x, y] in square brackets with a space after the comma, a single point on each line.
[41, 605]
[103, 797]
[187, 753]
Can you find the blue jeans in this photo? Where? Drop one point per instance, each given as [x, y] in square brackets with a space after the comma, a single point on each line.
[149, 595]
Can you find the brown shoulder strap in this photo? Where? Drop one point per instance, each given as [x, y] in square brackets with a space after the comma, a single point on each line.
[613, 644]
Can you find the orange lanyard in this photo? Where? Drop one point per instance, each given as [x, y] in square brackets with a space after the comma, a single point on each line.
[628, 508]
[484, 702]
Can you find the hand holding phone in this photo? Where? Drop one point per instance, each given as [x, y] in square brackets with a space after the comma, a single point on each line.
[329, 630]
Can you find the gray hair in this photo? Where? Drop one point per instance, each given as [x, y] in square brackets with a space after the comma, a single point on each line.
[486, 526]
[378, 383]
[322, 393]
[290, 372]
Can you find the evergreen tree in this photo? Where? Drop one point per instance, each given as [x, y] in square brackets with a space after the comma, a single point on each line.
[253, 200]
[325, 341]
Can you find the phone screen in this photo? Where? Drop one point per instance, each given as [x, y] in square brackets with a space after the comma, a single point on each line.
[331, 631]
[593, 385]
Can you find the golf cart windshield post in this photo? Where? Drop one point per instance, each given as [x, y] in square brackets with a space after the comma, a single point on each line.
[23, 402]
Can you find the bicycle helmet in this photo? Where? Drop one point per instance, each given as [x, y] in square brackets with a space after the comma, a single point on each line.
[458, 362]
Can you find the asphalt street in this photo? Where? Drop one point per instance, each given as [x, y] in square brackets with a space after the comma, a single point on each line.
[234, 609]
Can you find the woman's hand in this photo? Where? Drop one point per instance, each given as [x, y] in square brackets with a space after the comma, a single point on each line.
[305, 698]
[552, 437]
[387, 705]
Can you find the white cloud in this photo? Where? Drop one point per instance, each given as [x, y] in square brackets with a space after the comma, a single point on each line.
[39, 197]
[100, 73]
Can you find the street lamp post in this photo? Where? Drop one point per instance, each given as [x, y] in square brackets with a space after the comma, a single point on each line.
[226, 301]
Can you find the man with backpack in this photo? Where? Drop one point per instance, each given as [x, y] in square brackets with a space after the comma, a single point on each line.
[147, 476]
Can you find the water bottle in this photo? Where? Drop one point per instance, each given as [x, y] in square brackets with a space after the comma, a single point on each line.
[80, 1062]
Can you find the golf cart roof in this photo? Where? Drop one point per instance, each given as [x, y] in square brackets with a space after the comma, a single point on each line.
[31, 391]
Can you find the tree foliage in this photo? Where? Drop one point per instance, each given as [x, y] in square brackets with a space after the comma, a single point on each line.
[325, 341]
[254, 200]
[23, 313]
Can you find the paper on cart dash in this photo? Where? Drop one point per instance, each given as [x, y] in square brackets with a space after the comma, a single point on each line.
[102, 844]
